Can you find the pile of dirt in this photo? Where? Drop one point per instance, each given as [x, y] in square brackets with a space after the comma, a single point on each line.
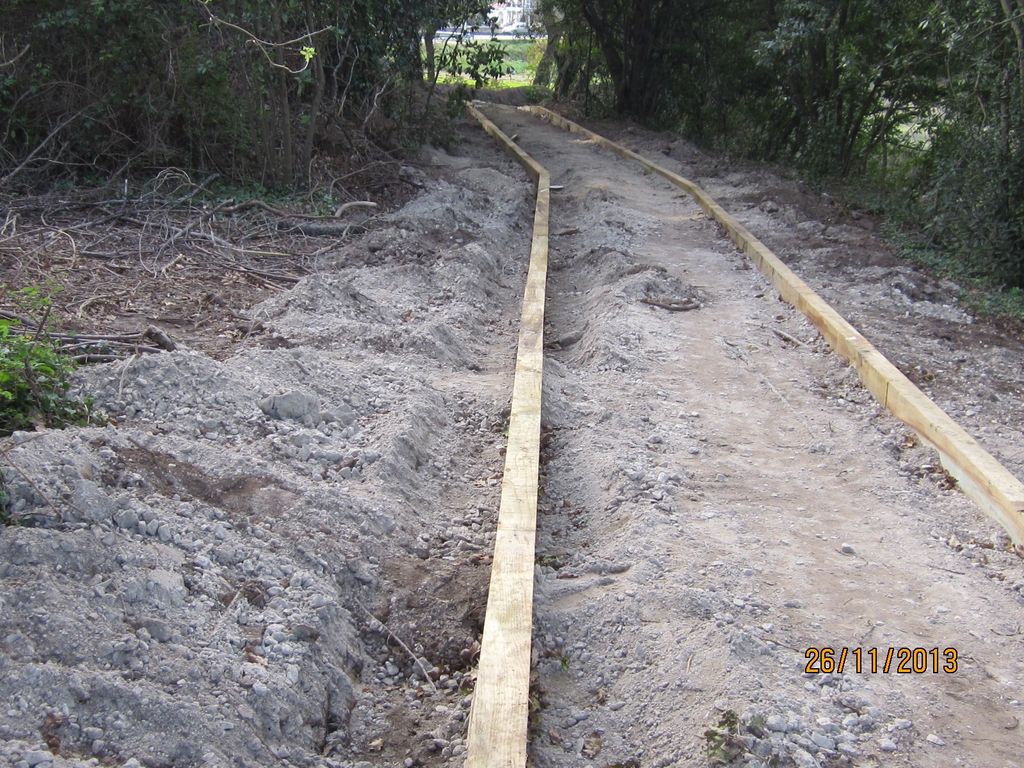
[280, 557]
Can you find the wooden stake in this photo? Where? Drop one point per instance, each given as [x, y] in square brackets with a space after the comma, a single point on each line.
[498, 719]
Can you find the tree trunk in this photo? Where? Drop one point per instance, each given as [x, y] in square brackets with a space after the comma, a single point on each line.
[282, 107]
[606, 40]
[547, 61]
[1013, 18]
[431, 62]
[319, 81]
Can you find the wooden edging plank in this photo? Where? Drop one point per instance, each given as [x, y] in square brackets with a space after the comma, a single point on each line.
[999, 494]
[499, 717]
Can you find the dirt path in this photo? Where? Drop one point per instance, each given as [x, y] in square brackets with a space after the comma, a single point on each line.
[720, 494]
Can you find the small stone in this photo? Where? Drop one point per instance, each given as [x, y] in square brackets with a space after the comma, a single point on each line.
[776, 723]
[847, 549]
[901, 724]
[303, 407]
[126, 519]
[931, 738]
[615, 706]
[887, 745]
[823, 741]
[37, 757]
[157, 629]
[91, 502]
[849, 750]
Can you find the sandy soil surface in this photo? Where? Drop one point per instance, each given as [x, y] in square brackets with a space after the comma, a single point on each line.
[277, 551]
[974, 368]
[718, 499]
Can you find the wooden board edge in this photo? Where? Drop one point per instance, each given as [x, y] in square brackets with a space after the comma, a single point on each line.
[998, 493]
[499, 716]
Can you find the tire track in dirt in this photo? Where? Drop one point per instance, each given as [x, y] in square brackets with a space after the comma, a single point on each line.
[717, 499]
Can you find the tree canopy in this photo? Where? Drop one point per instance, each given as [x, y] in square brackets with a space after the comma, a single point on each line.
[925, 98]
[243, 87]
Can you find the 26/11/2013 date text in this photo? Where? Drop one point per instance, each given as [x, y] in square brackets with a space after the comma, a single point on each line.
[902, 661]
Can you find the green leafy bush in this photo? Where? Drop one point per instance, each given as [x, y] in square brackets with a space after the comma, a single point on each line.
[35, 377]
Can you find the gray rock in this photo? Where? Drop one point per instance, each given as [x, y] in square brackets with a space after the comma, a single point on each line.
[91, 503]
[158, 630]
[37, 757]
[823, 741]
[803, 759]
[847, 549]
[849, 750]
[126, 519]
[887, 745]
[166, 587]
[931, 738]
[776, 723]
[342, 414]
[302, 407]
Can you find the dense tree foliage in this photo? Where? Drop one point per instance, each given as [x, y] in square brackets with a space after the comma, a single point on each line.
[242, 87]
[923, 96]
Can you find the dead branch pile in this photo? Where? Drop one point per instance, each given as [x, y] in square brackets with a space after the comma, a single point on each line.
[123, 268]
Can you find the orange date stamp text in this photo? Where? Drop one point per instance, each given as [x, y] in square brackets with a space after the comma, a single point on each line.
[901, 661]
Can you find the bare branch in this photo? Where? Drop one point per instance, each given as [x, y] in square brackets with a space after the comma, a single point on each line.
[60, 126]
[12, 62]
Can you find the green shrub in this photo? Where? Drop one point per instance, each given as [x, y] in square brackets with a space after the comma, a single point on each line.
[35, 377]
